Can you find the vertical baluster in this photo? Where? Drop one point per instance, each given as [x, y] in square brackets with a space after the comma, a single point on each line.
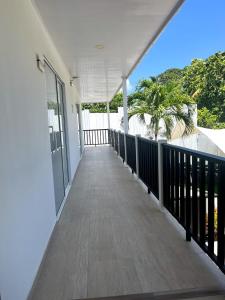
[155, 176]
[89, 134]
[211, 207]
[172, 180]
[140, 157]
[100, 134]
[153, 168]
[221, 214]
[84, 135]
[150, 165]
[169, 177]
[177, 206]
[188, 200]
[202, 203]
[97, 137]
[194, 204]
[182, 200]
[165, 179]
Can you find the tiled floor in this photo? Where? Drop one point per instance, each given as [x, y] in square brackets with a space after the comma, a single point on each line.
[113, 240]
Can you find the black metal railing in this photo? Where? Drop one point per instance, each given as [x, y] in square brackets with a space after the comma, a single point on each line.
[122, 145]
[148, 164]
[131, 152]
[194, 193]
[193, 187]
[112, 140]
[94, 137]
[116, 146]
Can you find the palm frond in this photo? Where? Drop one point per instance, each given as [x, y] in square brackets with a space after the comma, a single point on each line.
[169, 124]
[139, 111]
[186, 118]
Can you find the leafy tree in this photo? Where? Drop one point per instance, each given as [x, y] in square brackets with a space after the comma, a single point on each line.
[205, 81]
[209, 120]
[95, 107]
[170, 75]
[101, 107]
[164, 103]
[116, 102]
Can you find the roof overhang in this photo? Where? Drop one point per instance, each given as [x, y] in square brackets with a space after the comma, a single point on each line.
[102, 41]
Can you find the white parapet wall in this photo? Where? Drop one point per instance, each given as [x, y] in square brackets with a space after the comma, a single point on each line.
[99, 120]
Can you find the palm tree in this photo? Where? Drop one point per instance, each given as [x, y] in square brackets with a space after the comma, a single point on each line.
[165, 104]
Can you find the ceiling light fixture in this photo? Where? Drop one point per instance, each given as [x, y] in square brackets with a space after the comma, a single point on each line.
[73, 79]
[99, 46]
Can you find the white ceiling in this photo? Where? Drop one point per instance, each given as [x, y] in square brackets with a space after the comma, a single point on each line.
[126, 29]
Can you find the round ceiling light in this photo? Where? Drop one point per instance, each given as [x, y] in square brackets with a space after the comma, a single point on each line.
[99, 46]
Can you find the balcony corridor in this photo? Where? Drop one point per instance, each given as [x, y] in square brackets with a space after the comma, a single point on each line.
[113, 240]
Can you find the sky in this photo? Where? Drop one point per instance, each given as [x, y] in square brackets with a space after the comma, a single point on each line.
[196, 31]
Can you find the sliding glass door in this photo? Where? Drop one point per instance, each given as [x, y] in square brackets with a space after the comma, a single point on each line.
[57, 134]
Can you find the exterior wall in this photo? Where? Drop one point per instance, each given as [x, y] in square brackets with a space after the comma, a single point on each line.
[27, 207]
[100, 120]
[200, 142]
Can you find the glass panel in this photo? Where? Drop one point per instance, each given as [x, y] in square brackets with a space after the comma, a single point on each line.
[63, 133]
[55, 137]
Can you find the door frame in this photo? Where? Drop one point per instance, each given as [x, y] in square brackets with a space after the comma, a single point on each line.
[58, 79]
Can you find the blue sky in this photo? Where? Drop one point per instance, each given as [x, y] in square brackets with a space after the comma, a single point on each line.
[196, 31]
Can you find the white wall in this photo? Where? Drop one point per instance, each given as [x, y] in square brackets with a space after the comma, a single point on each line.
[27, 208]
[100, 120]
[198, 141]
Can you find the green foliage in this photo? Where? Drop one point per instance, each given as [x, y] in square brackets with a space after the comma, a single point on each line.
[164, 103]
[204, 80]
[116, 102]
[209, 120]
[53, 105]
[95, 107]
[170, 75]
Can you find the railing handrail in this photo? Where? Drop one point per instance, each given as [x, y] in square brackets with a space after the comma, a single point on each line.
[200, 154]
[148, 140]
[95, 129]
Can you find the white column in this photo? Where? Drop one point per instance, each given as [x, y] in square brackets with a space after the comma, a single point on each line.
[108, 115]
[125, 114]
[160, 171]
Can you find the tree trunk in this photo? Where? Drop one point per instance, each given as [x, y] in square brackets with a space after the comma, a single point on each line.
[156, 130]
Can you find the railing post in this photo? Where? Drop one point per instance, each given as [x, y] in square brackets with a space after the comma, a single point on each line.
[125, 147]
[136, 152]
[160, 171]
[118, 136]
[110, 137]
